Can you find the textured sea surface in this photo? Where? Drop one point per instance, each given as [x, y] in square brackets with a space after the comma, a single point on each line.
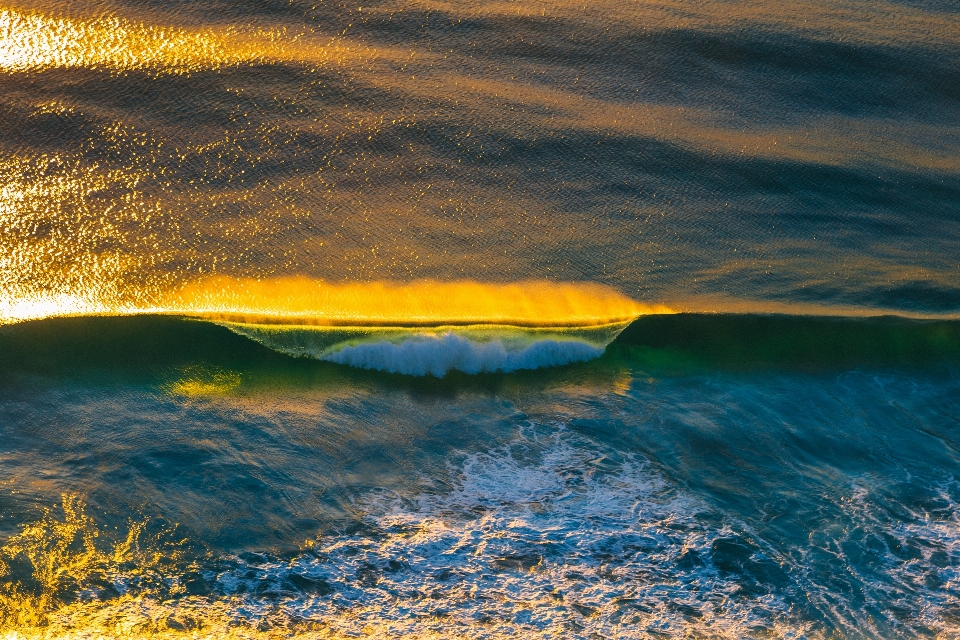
[502, 319]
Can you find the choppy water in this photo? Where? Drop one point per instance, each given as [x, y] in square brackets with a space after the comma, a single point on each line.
[722, 476]
[372, 329]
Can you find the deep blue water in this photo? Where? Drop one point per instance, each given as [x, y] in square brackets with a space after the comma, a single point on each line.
[754, 480]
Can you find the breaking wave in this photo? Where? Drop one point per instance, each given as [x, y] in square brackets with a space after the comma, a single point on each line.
[667, 344]
[436, 351]
[438, 355]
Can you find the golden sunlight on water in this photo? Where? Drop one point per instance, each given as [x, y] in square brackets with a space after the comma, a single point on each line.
[54, 255]
[66, 547]
[203, 381]
[306, 301]
[427, 302]
[36, 41]
[31, 41]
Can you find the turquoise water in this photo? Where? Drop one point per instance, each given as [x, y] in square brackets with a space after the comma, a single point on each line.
[708, 475]
[329, 440]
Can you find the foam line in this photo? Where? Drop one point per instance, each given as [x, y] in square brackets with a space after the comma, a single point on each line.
[438, 355]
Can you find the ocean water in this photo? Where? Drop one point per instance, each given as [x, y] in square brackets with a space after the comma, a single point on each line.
[495, 319]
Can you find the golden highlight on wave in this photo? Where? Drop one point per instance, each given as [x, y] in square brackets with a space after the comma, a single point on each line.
[304, 301]
[48, 568]
[309, 301]
[53, 572]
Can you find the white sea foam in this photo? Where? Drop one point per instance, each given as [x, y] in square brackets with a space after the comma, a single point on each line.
[549, 537]
[439, 354]
[554, 535]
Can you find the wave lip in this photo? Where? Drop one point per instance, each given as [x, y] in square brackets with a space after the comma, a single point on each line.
[439, 354]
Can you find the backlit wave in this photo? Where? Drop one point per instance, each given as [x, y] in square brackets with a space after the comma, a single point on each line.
[305, 301]
[308, 301]
[421, 328]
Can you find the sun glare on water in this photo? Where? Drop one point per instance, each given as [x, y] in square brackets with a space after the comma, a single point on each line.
[32, 41]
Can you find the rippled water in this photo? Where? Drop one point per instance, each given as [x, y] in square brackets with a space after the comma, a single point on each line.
[374, 322]
[710, 156]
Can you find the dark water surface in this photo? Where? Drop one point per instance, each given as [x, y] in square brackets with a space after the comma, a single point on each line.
[780, 461]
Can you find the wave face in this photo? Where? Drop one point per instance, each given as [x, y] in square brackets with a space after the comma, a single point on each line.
[143, 347]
